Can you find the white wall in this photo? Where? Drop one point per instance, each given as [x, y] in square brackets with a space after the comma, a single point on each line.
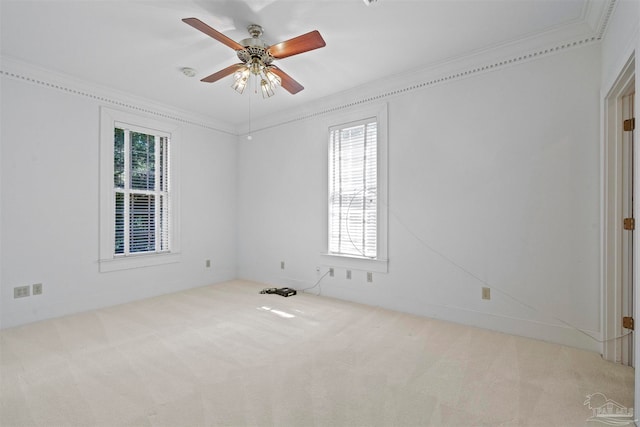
[50, 207]
[497, 173]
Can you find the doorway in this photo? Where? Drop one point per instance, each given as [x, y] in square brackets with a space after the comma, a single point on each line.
[627, 104]
[619, 251]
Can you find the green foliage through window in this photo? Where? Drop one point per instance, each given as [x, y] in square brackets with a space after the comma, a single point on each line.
[141, 184]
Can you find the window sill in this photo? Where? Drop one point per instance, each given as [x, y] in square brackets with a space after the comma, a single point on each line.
[356, 263]
[138, 261]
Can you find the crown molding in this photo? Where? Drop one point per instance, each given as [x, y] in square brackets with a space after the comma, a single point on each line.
[15, 69]
[587, 30]
[407, 83]
[598, 16]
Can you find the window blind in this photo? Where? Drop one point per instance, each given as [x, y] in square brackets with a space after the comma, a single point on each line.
[353, 201]
[141, 192]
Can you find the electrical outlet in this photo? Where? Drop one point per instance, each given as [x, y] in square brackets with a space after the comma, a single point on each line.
[369, 277]
[281, 265]
[348, 274]
[21, 291]
[36, 289]
[207, 263]
[486, 293]
[331, 273]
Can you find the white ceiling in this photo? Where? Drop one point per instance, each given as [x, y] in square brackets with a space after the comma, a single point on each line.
[139, 47]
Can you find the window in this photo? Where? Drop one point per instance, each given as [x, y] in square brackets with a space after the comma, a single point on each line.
[138, 199]
[353, 189]
[356, 190]
[141, 191]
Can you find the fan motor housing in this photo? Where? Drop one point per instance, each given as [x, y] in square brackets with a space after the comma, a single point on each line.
[254, 48]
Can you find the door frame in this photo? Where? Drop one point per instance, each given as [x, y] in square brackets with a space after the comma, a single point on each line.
[612, 214]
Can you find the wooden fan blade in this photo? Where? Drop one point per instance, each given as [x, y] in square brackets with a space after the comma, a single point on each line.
[296, 45]
[287, 81]
[199, 25]
[222, 73]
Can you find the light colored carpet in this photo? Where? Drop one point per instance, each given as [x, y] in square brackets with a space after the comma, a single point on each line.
[226, 355]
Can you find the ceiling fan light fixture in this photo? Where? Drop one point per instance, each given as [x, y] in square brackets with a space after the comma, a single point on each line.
[264, 77]
[242, 73]
[256, 57]
[267, 89]
[240, 79]
[273, 78]
[239, 86]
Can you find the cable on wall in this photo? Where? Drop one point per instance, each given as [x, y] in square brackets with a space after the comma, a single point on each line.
[318, 283]
[478, 279]
[497, 288]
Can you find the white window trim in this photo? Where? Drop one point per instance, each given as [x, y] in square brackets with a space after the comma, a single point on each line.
[380, 263]
[108, 260]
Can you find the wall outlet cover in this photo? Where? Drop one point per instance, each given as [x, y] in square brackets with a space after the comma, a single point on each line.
[21, 291]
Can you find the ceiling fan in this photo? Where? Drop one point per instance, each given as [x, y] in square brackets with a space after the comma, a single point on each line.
[257, 57]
